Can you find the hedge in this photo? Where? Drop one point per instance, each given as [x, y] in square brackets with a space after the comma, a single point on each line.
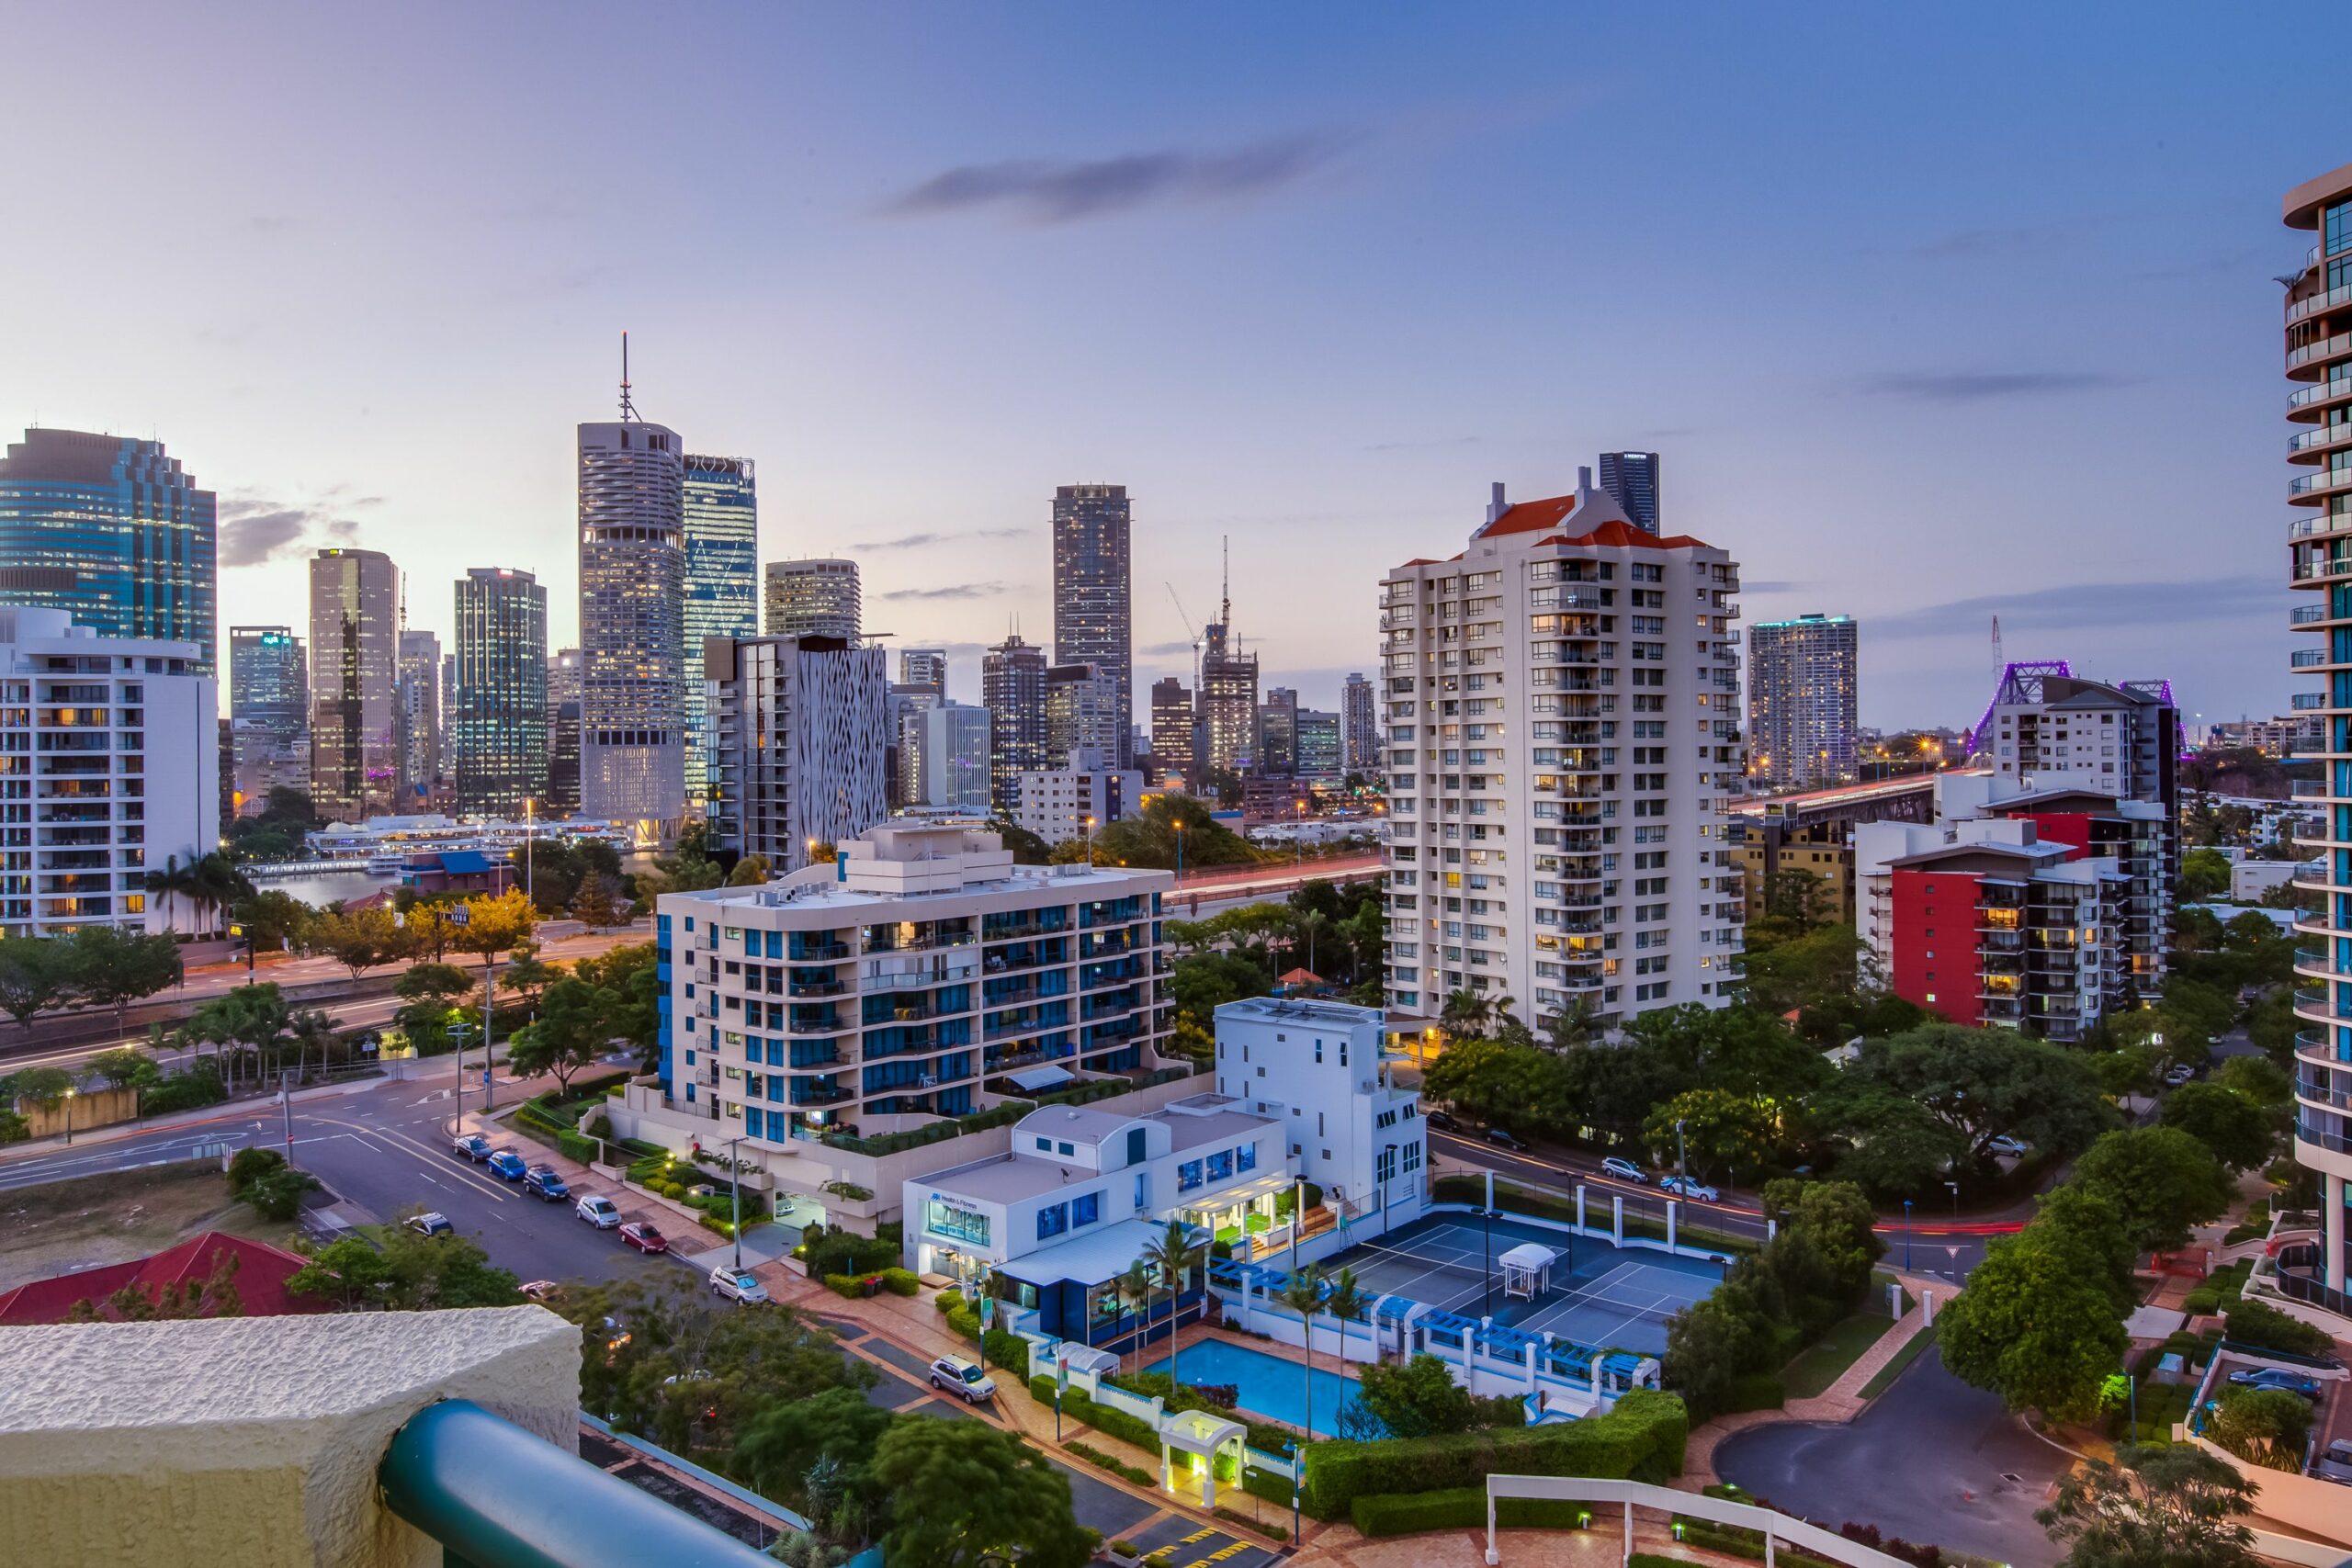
[1116, 1466]
[1734, 1542]
[901, 1282]
[964, 1323]
[1085, 1412]
[1641, 1440]
[1271, 1485]
[1005, 1348]
[948, 1301]
[1462, 1507]
[1235, 1516]
[849, 1286]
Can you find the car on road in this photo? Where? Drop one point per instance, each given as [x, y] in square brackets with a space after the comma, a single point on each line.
[544, 1291]
[1504, 1140]
[644, 1238]
[546, 1181]
[2006, 1144]
[2179, 1073]
[1698, 1191]
[598, 1211]
[431, 1223]
[1442, 1122]
[2334, 1462]
[2275, 1378]
[737, 1285]
[965, 1380]
[474, 1147]
[508, 1166]
[1624, 1170]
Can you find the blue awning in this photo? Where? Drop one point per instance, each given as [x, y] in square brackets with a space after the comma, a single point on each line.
[465, 863]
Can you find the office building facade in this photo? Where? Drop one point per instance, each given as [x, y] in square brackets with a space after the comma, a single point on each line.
[1093, 618]
[2047, 727]
[1632, 480]
[498, 710]
[1315, 751]
[799, 727]
[1557, 769]
[114, 532]
[425, 714]
[1359, 727]
[923, 669]
[1801, 678]
[632, 627]
[1081, 715]
[356, 729]
[1173, 724]
[1229, 698]
[1013, 688]
[110, 756]
[946, 751]
[813, 598]
[722, 538]
[1076, 801]
[269, 714]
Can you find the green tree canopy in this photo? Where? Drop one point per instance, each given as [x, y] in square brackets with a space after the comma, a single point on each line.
[2162, 1182]
[2034, 1327]
[1149, 837]
[1416, 1398]
[2238, 1132]
[963, 1492]
[113, 967]
[2167, 1506]
[573, 1026]
[36, 977]
[1981, 1083]
[1717, 1131]
[2204, 875]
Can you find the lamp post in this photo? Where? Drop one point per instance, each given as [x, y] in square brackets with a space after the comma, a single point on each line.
[1088, 825]
[1681, 1161]
[1907, 1235]
[1296, 1465]
[68, 1115]
[1955, 1202]
[246, 937]
[1388, 1152]
[530, 851]
[1298, 833]
[735, 1188]
[1058, 1404]
[456, 1030]
[1180, 854]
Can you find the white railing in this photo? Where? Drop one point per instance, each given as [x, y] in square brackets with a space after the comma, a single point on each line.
[1631, 1494]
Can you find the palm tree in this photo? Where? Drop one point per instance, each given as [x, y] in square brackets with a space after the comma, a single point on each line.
[173, 883]
[1348, 1302]
[1172, 1257]
[1570, 1028]
[1133, 1288]
[1466, 1012]
[222, 884]
[310, 1027]
[1309, 923]
[1304, 1295]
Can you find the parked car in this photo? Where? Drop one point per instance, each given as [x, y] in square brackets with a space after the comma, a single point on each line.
[1688, 1188]
[737, 1286]
[474, 1147]
[1624, 1170]
[508, 1166]
[953, 1374]
[2335, 1462]
[2006, 1144]
[1442, 1122]
[2276, 1377]
[1503, 1140]
[2179, 1073]
[598, 1211]
[431, 1223]
[544, 1291]
[546, 1182]
[644, 1238]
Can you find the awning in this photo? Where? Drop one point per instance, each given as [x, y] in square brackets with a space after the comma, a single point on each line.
[1097, 1254]
[1036, 1080]
[464, 863]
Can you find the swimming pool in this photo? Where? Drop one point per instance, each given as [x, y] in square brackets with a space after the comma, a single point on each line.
[1267, 1385]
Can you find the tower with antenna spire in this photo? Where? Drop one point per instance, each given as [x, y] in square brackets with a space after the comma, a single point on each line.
[1228, 686]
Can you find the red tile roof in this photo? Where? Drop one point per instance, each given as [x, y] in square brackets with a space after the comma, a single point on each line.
[1626, 533]
[1531, 516]
[1536, 516]
[260, 1279]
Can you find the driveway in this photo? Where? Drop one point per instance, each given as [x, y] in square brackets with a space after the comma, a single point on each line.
[1932, 1461]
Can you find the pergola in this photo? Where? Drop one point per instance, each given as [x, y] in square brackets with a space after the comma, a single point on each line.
[1203, 1436]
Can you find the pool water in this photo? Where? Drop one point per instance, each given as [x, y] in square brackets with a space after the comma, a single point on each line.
[1268, 1385]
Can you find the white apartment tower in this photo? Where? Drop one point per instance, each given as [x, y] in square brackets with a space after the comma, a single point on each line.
[1561, 702]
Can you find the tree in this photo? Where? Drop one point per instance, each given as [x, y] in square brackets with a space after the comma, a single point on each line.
[572, 1027]
[1148, 837]
[1832, 1228]
[360, 939]
[2263, 1081]
[36, 975]
[1416, 1398]
[1805, 969]
[1465, 1015]
[262, 1178]
[527, 975]
[430, 990]
[44, 1087]
[1200, 982]
[778, 1447]
[1981, 1083]
[2239, 1133]
[1713, 1342]
[2204, 873]
[1719, 1131]
[1172, 1254]
[349, 1271]
[2263, 1426]
[2160, 1181]
[627, 972]
[215, 1295]
[250, 1018]
[1896, 1146]
[2034, 1327]
[2161, 1506]
[431, 1274]
[272, 921]
[751, 871]
[961, 1493]
[1304, 1295]
[2081, 1221]
[593, 906]
[113, 967]
[494, 924]
[124, 1066]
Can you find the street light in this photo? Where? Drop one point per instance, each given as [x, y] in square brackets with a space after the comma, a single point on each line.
[1180, 852]
[1955, 1202]
[530, 853]
[1295, 1466]
[1298, 834]
[1907, 1235]
[68, 1115]
[240, 931]
[735, 1188]
[1088, 825]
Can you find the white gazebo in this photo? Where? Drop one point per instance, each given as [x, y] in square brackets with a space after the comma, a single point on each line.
[1203, 1436]
[1527, 1270]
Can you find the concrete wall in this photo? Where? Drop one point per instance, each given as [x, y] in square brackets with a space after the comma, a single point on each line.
[2304, 1502]
[251, 1440]
[83, 1109]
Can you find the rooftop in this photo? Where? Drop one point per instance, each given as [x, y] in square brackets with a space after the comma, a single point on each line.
[1300, 1010]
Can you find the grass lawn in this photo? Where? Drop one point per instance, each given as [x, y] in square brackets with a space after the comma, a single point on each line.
[115, 1217]
[1885, 1376]
[1823, 1361]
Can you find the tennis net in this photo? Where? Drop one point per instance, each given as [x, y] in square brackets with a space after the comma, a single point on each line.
[1394, 1266]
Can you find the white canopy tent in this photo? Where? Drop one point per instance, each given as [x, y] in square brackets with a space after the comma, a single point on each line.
[1527, 1270]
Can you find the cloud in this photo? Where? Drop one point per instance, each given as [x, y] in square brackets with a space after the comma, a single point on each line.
[1964, 245]
[254, 532]
[1164, 651]
[924, 541]
[1061, 190]
[2144, 604]
[956, 590]
[1981, 386]
[1773, 585]
[1418, 446]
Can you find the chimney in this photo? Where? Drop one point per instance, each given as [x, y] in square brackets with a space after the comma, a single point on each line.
[1584, 483]
[1498, 506]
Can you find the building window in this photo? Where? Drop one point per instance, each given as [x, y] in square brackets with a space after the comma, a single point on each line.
[1135, 1147]
[1052, 1220]
[1245, 1158]
[956, 1222]
[1085, 1209]
[1220, 1165]
[1188, 1176]
[1385, 1167]
[1412, 1156]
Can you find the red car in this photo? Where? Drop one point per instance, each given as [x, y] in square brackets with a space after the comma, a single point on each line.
[644, 1238]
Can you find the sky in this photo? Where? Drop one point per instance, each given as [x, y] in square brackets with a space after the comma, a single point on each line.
[1936, 314]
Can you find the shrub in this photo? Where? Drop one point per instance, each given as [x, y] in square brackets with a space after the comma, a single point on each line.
[599, 1126]
[191, 1090]
[250, 1165]
[2201, 1302]
[1124, 1548]
[948, 1301]
[901, 1282]
[849, 1285]
[1641, 1440]
[1119, 1467]
[832, 1250]
[1233, 1516]
[2258, 1324]
[1007, 1349]
[572, 1145]
[1085, 1412]
[965, 1324]
[1462, 1507]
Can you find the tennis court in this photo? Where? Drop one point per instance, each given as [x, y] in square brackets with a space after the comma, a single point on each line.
[1593, 1293]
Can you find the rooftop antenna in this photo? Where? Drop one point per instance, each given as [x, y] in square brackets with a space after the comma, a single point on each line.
[1225, 582]
[1997, 660]
[629, 410]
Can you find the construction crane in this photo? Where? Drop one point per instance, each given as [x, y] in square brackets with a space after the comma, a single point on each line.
[1189, 631]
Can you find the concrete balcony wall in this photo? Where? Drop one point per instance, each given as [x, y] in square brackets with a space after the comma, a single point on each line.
[252, 1440]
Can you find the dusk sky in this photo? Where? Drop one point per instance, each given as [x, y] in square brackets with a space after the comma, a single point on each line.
[1935, 314]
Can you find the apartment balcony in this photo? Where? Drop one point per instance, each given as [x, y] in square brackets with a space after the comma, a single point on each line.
[2338, 299]
[2307, 446]
[2306, 487]
[815, 988]
[2307, 363]
[2308, 570]
[813, 1092]
[2313, 402]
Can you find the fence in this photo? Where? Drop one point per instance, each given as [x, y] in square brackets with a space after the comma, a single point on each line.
[1776, 1528]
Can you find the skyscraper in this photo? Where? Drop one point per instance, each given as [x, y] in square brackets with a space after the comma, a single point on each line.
[355, 684]
[1800, 686]
[798, 729]
[424, 711]
[1092, 618]
[949, 746]
[112, 531]
[813, 598]
[2319, 358]
[1318, 745]
[1359, 728]
[722, 517]
[498, 711]
[1173, 720]
[632, 627]
[1229, 694]
[1081, 716]
[923, 669]
[563, 677]
[269, 709]
[1630, 479]
[1573, 868]
[1278, 733]
[1013, 688]
[563, 733]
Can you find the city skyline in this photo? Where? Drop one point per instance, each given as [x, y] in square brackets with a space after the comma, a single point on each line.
[1924, 307]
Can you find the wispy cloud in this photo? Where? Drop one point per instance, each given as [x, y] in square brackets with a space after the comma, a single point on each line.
[1967, 244]
[1773, 585]
[1421, 446]
[1062, 190]
[1982, 386]
[255, 530]
[925, 541]
[1164, 650]
[2087, 605]
[956, 590]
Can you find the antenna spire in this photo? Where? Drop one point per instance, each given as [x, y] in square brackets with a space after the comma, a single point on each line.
[1225, 580]
[628, 409]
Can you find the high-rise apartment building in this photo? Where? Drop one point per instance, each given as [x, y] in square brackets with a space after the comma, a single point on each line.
[1228, 696]
[923, 669]
[1630, 479]
[946, 749]
[498, 711]
[799, 725]
[112, 531]
[1317, 752]
[1173, 722]
[1801, 685]
[424, 714]
[2319, 361]
[110, 756]
[2047, 727]
[1557, 778]
[1278, 733]
[1013, 688]
[722, 539]
[564, 677]
[1093, 616]
[356, 763]
[1359, 727]
[270, 712]
[813, 598]
[632, 625]
[563, 732]
[1082, 714]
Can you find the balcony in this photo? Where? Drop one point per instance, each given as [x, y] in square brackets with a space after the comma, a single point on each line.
[2324, 482]
[2309, 403]
[2319, 439]
[2319, 304]
[2322, 523]
[2302, 363]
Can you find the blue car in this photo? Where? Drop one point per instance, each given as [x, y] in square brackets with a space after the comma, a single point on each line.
[2277, 1378]
[544, 1181]
[508, 1164]
[474, 1147]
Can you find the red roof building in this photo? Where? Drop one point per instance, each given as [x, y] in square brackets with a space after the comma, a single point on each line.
[261, 1272]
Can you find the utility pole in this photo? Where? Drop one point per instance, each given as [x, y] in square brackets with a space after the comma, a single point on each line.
[1682, 1160]
[286, 1105]
[735, 1187]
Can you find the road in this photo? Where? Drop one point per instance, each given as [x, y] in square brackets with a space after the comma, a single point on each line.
[1932, 1459]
